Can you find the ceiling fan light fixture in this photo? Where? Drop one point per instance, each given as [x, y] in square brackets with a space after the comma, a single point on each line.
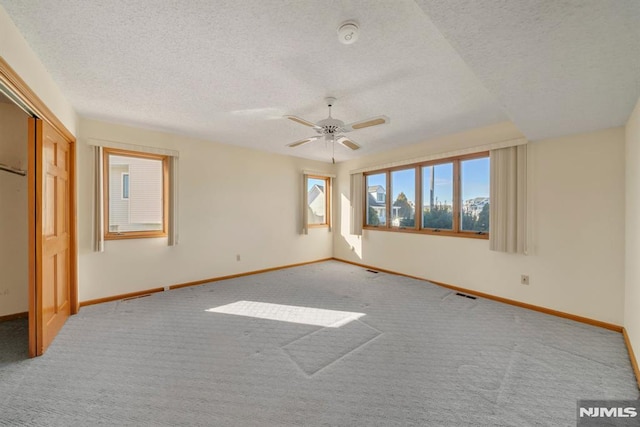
[348, 32]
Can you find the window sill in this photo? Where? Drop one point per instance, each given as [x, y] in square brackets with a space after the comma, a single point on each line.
[467, 235]
[134, 235]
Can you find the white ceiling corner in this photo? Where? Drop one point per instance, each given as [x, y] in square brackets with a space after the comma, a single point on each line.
[227, 71]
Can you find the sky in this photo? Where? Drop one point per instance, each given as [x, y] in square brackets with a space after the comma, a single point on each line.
[313, 181]
[475, 181]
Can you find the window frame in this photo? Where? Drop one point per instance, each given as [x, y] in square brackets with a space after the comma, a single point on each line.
[110, 235]
[457, 203]
[327, 201]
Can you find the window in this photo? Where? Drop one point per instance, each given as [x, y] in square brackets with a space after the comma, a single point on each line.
[403, 208]
[318, 201]
[474, 186]
[437, 199]
[446, 197]
[376, 200]
[125, 186]
[135, 194]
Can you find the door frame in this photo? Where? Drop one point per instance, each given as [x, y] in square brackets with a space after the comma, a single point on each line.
[27, 97]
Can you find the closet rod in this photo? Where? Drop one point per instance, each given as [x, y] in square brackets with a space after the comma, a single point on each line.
[12, 170]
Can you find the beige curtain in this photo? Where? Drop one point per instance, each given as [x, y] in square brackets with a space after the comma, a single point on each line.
[357, 201]
[98, 219]
[305, 203]
[173, 201]
[330, 210]
[508, 200]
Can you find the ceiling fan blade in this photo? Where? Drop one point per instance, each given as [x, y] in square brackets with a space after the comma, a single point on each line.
[302, 142]
[373, 121]
[348, 143]
[303, 122]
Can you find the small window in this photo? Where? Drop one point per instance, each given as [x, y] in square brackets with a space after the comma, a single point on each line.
[318, 201]
[125, 186]
[135, 193]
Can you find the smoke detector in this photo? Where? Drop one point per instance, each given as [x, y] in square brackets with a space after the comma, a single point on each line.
[348, 32]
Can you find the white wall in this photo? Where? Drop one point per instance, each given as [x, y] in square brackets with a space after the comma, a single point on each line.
[632, 261]
[577, 210]
[14, 228]
[18, 54]
[232, 201]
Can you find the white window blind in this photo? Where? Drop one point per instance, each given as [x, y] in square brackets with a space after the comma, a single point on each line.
[357, 202]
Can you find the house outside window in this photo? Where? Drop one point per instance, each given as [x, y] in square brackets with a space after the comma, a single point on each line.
[376, 209]
[125, 186]
[135, 194]
[318, 205]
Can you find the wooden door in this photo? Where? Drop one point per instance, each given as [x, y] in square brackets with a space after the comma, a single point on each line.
[52, 235]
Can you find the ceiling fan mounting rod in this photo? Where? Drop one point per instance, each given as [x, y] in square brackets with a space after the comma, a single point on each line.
[330, 101]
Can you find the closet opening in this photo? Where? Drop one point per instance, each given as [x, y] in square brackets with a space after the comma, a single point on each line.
[14, 231]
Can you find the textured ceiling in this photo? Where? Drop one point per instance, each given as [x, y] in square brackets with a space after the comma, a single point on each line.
[556, 66]
[228, 70]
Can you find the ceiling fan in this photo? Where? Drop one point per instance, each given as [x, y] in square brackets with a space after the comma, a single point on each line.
[332, 129]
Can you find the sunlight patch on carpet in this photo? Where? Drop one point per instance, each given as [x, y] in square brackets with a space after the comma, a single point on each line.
[288, 313]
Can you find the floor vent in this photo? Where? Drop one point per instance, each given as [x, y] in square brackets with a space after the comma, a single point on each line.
[136, 297]
[372, 271]
[465, 295]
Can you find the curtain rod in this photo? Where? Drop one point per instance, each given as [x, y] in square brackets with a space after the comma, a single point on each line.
[12, 170]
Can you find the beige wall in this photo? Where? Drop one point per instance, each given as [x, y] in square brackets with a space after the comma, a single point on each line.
[632, 259]
[577, 212]
[577, 215]
[18, 54]
[232, 201]
[14, 228]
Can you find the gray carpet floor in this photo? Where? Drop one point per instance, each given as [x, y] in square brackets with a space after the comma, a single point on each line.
[418, 354]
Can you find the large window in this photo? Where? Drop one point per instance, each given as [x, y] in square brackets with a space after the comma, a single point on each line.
[135, 194]
[318, 206]
[446, 197]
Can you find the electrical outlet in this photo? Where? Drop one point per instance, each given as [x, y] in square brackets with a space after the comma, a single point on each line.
[238, 257]
[524, 279]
